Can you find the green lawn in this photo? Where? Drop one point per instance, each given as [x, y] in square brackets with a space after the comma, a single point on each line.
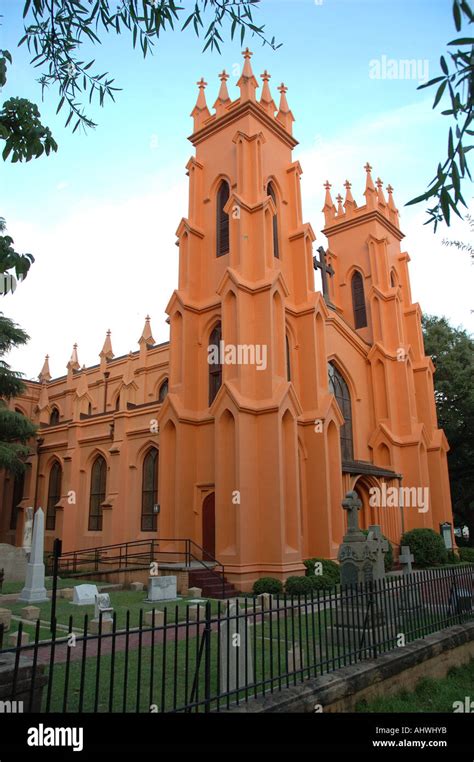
[429, 695]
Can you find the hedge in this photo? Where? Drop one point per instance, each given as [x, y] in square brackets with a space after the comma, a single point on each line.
[427, 546]
[268, 585]
[467, 554]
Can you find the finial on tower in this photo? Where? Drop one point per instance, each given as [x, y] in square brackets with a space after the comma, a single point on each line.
[284, 114]
[329, 209]
[200, 111]
[370, 191]
[247, 82]
[266, 100]
[73, 363]
[45, 375]
[349, 203]
[147, 336]
[391, 203]
[107, 353]
[340, 209]
[380, 196]
[223, 97]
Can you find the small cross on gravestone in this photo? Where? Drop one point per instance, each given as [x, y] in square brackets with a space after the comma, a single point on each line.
[406, 559]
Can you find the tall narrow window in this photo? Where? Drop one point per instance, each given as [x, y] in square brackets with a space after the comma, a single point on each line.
[54, 494]
[338, 386]
[222, 219]
[18, 486]
[276, 248]
[97, 495]
[117, 402]
[54, 417]
[288, 359]
[163, 391]
[358, 300]
[150, 490]
[215, 367]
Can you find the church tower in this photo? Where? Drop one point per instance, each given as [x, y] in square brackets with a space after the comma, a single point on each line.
[230, 471]
[370, 290]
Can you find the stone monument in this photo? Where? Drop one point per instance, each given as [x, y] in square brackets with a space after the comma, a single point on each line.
[162, 588]
[34, 590]
[235, 650]
[361, 557]
[84, 595]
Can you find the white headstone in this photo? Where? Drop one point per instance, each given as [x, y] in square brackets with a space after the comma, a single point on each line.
[235, 650]
[102, 605]
[84, 595]
[162, 588]
[34, 590]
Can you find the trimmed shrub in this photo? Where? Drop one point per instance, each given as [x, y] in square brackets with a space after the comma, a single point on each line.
[298, 586]
[330, 568]
[467, 554]
[427, 546]
[388, 557]
[323, 581]
[268, 585]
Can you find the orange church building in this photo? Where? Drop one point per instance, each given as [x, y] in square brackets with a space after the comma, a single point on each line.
[271, 400]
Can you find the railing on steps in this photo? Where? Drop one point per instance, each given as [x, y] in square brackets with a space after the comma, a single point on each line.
[136, 555]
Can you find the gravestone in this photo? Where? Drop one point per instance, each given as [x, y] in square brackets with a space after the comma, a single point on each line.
[34, 590]
[13, 561]
[380, 544]
[236, 664]
[406, 559]
[162, 588]
[103, 620]
[84, 595]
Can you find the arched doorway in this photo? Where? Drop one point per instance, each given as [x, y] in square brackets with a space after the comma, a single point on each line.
[209, 525]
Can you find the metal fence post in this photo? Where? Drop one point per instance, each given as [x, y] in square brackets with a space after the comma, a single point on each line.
[207, 659]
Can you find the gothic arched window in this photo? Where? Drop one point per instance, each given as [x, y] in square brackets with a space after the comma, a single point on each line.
[54, 417]
[276, 248]
[54, 494]
[117, 402]
[338, 386]
[18, 486]
[358, 300]
[97, 494]
[215, 367]
[222, 220]
[149, 490]
[163, 391]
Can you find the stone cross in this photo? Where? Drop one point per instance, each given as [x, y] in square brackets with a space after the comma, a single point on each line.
[320, 264]
[34, 590]
[406, 559]
[352, 504]
[380, 544]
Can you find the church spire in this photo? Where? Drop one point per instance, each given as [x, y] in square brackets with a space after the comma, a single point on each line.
[349, 203]
[223, 98]
[247, 82]
[340, 209]
[266, 99]
[329, 209]
[200, 111]
[107, 352]
[45, 375]
[284, 116]
[73, 363]
[370, 192]
[380, 196]
[147, 337]
[393, 211]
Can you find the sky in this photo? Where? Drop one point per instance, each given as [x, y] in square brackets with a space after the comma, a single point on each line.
[100, 215]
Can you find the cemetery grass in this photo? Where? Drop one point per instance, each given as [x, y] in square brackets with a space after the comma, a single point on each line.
[121, 601]
[429, 695]
[137, 683]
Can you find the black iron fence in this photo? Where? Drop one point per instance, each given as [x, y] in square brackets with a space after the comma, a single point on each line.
[216, 655]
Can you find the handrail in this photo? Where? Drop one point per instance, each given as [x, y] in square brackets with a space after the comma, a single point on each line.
[135, 552]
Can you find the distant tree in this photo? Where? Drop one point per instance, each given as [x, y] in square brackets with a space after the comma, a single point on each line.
[452, 351]
[458, 79]
[15, 428]
[55, 31]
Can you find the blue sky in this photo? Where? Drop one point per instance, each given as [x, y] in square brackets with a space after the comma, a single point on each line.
[101, 214]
